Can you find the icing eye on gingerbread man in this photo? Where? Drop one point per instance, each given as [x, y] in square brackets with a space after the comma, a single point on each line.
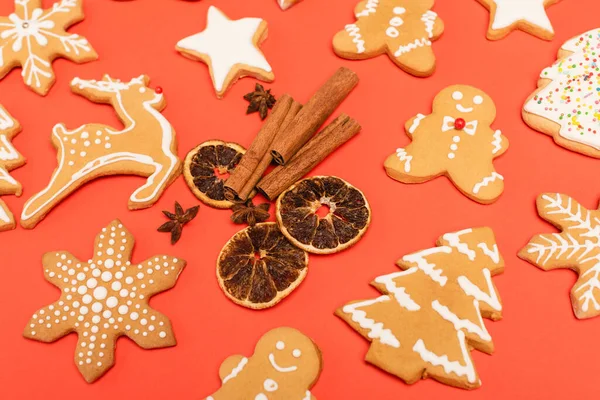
[459, 97]
[461, 101]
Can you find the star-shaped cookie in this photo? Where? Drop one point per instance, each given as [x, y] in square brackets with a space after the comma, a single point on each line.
[31, 38]
[105, 298]
[230, 49]
[527, 15]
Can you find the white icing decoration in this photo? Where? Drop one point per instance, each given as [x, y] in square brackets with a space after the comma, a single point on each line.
[307, 396]
[291, 368]
[297, 353]
[478, 100]
[478, 329]
[403, 49]
[429, 20]
[453, 240]
[416, 123]
[457, 95]
[4, 214]
[399, 293]
[464, 109]
[376, 329]
[497, 142]
[420, 259]
[270, 385]
[509, 12]
[227, 43]
[405, 158]
[486, 181]
[370, 8]
[280, 345]
[472, 290]
[354, 32]
[493, 254]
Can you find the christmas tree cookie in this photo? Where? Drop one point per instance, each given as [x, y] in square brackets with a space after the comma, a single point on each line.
[9, 160]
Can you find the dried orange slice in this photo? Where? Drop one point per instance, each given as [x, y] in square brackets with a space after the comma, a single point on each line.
[343, 225]
[258, 267]
[206, 168]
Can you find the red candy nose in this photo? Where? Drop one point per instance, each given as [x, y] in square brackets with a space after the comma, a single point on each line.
[459, 124]
[158, 90]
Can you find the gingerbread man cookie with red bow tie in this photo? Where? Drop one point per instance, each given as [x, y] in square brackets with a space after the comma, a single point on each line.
[455, 140]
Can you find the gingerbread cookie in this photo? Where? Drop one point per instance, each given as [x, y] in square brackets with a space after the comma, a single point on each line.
[430, 314]
[565, 105]
[285, 4]
[9, 159]
[32, 38]
[285, 365]
[527, 15]
[230, 48]
[105, 298]
[455, 140]
[404, 29]
[576, 247]
[146, 147]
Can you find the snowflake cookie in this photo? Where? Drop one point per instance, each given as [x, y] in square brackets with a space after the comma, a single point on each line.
[566, 105]
[105, 298]
[32, 38]
[576, 247]
[230, 49]
[527, 15]
[455, 140]
[285, 365]
[404, 29]
[9, 159]
[429, 317]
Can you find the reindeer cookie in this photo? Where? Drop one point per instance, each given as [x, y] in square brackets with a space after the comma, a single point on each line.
[285, 365]
[147, 146]
[455, 140]
[404, 29]
[9, 160]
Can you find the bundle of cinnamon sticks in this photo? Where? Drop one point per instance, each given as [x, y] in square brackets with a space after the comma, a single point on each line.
[288, 138]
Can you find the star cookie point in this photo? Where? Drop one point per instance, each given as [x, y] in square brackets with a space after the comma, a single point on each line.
[527, 15]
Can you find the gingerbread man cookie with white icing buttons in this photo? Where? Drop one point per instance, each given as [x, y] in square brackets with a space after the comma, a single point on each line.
[285, 365]
[147, 147]
[527, 15]
[404, 29]
[455, 140]
[9, 159]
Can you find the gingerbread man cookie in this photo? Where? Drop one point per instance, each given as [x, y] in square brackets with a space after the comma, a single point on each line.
[404, 29]
[146, 147]
[455, 140]
[285, 365]
[105, 298]
[9, 159]
[32, 38]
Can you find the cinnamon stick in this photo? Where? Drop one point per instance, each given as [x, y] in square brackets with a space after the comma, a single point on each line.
[259, 147]
[313, 114]
[267, 159]
[338, 132]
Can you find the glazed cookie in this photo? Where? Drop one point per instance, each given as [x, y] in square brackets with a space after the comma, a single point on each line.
[404, 29]
[576, 247]
[553, 108]
[146, 147]
[105, 298]
[230, 49]
[285, 365]
[9, 159]
[32, 38]
[527, 15]
[429, 317]
[455, 140]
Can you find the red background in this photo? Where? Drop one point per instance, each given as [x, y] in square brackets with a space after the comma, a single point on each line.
[542, 351]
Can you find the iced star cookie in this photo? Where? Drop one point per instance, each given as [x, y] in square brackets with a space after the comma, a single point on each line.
[527, 15]
[147, 146]
[230, 48]
[32, 38]
[576, 247]
[285, 4]
[404, 29]
[285, 365]
[455, 140]
[566, 103]
[9, 159]
[430, 314]
[105, 298]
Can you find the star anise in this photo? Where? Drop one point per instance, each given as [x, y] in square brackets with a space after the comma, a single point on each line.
[261, 101]
[245, 212]
[177, 221]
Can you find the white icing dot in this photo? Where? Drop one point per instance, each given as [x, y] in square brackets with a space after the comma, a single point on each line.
[106, 314]
[162, 334]
[296, 353]
[106, 276]
[123, 292]
[280, 345]
[399, 10]
[83, 311]
[110, 252]
[109, 263]
[97, 141]
[456, 139]
[87, 299]
[453, 147]
[129, 280]
[144, 321]
[87, 143]
[83, 154]
[396, 21]
[451, 156]
[116, 286]
[96, 319]
[112, 302]
[81, 289]
[91, 283]
[477, 100]
[80, 276]
[119, 275]
[96, 307]
[457, 95]
[100, 293]
[96, 272]
[392, 32]
[123, 309]
[140, 275]
[134, 316]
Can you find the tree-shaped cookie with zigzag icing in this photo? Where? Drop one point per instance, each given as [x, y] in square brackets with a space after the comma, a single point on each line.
[576, 247]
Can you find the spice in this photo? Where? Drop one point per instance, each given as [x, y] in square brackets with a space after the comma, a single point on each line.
[245, 212]
[261, 101]
[177, 221]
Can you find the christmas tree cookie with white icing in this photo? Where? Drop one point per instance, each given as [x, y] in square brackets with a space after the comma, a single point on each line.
[566, 104]
[32, 37]
[105, 298]
[147, 147]
[429, 317]
[9, 159]
[285, 365]
[456, 140]
[527, 15]
[402, 29]
[230, 48]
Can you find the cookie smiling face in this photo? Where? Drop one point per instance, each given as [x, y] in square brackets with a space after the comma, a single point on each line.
[467, 102]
